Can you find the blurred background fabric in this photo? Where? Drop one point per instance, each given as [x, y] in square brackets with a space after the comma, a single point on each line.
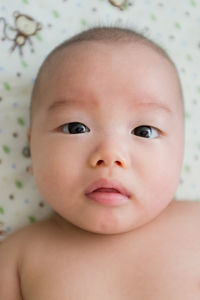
[174, 25]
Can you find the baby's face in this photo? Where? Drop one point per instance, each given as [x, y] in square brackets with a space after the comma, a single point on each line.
[108, 112]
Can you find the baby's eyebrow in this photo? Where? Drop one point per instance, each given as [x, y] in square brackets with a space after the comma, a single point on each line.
[69, 102]
[143, 104]
[154, 106]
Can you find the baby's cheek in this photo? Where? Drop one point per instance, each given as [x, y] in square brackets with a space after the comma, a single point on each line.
[57, 175]
[166, 177]
[159, 171]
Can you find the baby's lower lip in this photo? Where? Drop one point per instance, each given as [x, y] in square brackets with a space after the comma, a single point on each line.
[107, 197]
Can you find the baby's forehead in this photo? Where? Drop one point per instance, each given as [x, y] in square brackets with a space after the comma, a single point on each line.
[80, 65]
[85, 51]
[89, 48]
[71, 59]
[127, 57]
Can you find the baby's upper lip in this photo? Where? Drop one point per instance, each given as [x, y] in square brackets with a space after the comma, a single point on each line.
[105, 183]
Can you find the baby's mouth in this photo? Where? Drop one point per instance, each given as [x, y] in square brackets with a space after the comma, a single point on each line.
[107, 193]
[107, 186]
[106, 190]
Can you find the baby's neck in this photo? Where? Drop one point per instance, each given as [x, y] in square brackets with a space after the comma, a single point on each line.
[80, 237]
[76, 232]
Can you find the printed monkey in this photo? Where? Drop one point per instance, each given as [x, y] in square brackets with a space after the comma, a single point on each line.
[25, 27]
[118, 3]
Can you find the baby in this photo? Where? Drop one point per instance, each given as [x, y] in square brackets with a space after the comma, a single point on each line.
[106, 138]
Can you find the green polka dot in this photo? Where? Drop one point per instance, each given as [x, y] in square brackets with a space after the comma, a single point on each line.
[187, 168]
[24, 63]
[189, 57]
[6, 86]
[153, 17]
[20, 121]
[1, 211]
[83, 22]
[198, 89]
[38, 37]
[177, 25]
[19, 184]
[25, 1]
[32, 219]
[193, 3]
[6, 149]
[56, 14]
[187, 115]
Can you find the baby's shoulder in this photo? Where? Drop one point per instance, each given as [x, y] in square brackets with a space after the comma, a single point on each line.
[182, 218]
[22, 249]
[185, 210]
[27, 238]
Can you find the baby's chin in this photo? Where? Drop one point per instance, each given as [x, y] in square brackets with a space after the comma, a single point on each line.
[109, 228]
[107, 231]
[95, 228]
[129, 223]
[107, 221]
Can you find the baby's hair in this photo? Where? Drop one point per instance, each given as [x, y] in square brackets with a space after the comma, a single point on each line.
[103, 34]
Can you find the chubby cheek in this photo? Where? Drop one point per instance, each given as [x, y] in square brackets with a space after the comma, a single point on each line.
[56, 170]
[159, 176]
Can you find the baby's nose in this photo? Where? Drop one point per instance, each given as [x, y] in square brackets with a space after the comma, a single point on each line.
[108, 156]
[106, 163]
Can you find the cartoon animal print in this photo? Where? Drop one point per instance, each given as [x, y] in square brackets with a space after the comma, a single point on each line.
[118, 3]
[25, 27]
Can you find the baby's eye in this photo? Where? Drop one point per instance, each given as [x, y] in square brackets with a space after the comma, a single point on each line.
[144, 131]
[74, 128]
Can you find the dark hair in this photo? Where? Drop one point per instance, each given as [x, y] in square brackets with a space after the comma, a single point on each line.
[102, 34]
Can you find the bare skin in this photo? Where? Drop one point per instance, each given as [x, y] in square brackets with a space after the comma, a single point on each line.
[52, 260]
[144, 248]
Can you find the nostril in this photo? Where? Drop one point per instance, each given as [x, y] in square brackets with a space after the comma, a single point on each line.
[99, 162]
